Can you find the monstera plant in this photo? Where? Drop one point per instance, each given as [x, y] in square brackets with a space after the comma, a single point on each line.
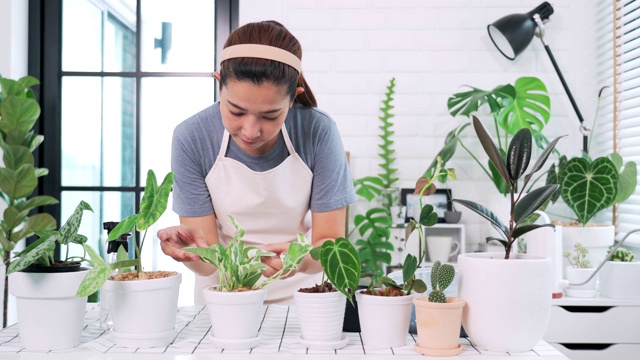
[522, 105]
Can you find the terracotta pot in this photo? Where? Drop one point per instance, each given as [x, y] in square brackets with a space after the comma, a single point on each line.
[438, 326]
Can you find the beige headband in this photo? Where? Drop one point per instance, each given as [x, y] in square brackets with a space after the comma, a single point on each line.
[262, 52]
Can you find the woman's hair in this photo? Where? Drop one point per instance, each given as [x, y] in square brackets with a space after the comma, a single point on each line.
[258, 70]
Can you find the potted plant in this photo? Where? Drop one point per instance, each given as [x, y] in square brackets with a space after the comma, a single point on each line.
[50, 316]
[619, 277]
[19, 111]
[513, 316]
[578, 271]
[439, 317]
[142, 304]
[321, 308]
[236, 304]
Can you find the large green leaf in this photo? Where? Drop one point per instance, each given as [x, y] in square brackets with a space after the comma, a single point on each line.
[35, 202]
[541, 160]
[467, 102]
[627, 181]
[519, 154]
[428, 217]
[342, 265]
[490, 149]
[94, 280]
[587, 187]
[18, 183]
[15, 156]
[376, 220]
[409, 267]
[14, 217]
[29, 258]
[530, 108]
[368, 187]
[532, 201]
[11, 87]
[17, 112]
[485, 213]
[69, 230]
[124, 226]
[28, 81]
[35, 223]
[154, 201]
[523, 229]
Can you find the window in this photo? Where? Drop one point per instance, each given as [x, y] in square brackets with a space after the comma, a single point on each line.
[117, 77]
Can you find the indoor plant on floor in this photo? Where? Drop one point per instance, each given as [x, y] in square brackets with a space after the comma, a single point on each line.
[50, 316]
[321, 308]
[236, 304]
[142, 304]
[439, 317]
[513, 316]
[19, 111]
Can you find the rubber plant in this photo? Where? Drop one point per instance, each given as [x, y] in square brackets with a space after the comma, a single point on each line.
[525, 104]
[19, 175]
[373, 226]
[239, 266]
[341, 265]
[152, 206]
[512, 169]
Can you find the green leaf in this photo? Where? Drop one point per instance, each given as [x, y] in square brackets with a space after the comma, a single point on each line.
[34, 254]
[627, 181]
[588, 188]
[485, 213]
[341, 265]
[533, 201]
[154, 201]
[541, 160]
[28, 81]
[35, 223]
[409, 267]
[490, 148]
[35, 202]
[419, 286]
[11, 87]
[70, 228]
[434, 275]
[18, 113]
[124, 226]
[446, 273]
[123, 265]
[523, 229]
[519, 154]
[95, 257]
[368, 187]
[13, 217]
[316, 253]
[530, 108]
[18, 183]
[15, 156]
[94, 280]
[428, 217]
[467, 102]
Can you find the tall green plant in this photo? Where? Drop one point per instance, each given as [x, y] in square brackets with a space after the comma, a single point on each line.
[341, 265]
[19, 175]
[512, 169]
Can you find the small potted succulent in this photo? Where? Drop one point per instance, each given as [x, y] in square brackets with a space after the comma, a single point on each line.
[578, 271]
[50, 316]
[321, 308]
[514, 315]
[620, 276]
[236, 304]
[439, 317]
[142, 304]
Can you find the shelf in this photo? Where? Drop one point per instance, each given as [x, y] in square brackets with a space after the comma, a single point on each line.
[456, 231]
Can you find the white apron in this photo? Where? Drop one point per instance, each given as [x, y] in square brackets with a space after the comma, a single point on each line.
[272, 206]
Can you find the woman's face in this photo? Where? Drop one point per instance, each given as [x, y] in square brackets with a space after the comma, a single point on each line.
[253, 114]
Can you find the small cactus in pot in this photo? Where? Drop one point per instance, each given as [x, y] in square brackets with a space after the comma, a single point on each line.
[441, 277]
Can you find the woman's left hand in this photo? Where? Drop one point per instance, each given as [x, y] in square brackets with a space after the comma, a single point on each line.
[274, 263]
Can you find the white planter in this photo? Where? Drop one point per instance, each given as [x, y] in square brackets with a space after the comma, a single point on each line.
[143, 311]
[597, 239]
[50, 316]
[508, 301]
[235, 317]
[384, 320]
[620, 280]
[576, 276]
[321, 317]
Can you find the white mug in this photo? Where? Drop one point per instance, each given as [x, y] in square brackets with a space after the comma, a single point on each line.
[440, 248]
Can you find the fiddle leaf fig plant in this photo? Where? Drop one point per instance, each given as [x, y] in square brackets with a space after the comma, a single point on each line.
[152, 206]
[341, 265]
[513, 169]
[239, 266]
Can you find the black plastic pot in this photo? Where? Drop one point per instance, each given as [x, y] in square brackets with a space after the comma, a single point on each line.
[351, 321]
[58, 268]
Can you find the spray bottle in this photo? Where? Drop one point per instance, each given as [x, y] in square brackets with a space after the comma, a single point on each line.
[112, 251]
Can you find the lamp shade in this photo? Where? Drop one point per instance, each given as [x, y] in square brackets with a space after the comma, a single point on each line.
[513, 33]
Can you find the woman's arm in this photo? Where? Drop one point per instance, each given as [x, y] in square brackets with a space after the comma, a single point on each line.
[201, 231]
[325, 226]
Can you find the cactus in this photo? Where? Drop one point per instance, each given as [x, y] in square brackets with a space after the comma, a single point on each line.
[622, 255]
[441, 277]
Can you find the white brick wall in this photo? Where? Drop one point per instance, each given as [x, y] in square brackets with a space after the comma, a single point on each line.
[353, 47]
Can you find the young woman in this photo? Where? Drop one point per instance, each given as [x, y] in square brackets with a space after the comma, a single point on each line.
[265, 155]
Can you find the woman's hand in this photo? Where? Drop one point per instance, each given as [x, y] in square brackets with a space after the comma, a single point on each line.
[174, 239]
[274, 263]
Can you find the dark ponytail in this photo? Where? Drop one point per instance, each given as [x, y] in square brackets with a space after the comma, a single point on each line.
[257, 70]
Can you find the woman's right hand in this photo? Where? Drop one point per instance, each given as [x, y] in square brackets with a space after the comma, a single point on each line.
[174, 239]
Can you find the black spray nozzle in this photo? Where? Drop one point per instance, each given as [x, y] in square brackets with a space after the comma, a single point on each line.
[123, 240]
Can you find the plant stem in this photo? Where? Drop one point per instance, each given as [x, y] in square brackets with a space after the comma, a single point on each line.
[475, 158]
[7, 256]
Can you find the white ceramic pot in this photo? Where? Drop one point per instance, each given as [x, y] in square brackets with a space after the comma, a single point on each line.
[50, 316]
[384, 320]
[143, 311]
[597, 239]
[576, 276]
[620, 280]
[235, 317]
[508, 302]
[321, 317]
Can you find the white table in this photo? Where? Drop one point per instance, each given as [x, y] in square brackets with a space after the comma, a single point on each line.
[279, 333]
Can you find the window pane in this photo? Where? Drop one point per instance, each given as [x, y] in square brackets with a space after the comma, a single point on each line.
[81, 36]
[119, 46]
[159, 116]
[102, 110]
[183, 30]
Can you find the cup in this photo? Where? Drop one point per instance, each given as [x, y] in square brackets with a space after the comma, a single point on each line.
[441, 248]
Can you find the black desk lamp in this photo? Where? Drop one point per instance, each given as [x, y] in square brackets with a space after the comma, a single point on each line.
[513, 33]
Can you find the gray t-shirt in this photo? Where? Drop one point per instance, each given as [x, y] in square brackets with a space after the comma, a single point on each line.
[314, 135]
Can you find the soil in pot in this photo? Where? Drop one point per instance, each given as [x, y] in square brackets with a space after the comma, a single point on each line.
[328, 287]
[145, 275]
[386, 291]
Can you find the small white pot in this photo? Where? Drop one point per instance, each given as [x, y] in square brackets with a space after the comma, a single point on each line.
[143, 311]
[620, 280]
[235, 317]
[597, 239]
[50, 316]
[321, 317]
[578, 275]
[508, 302]
[384, 320]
